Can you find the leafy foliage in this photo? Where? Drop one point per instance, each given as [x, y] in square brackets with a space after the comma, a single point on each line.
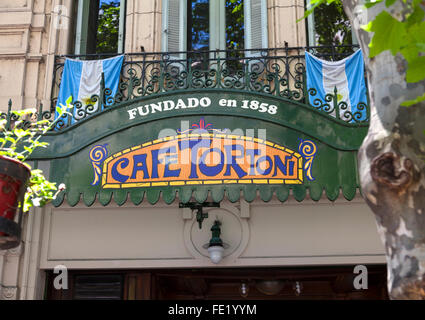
[235, 33]
[108, 27]
[20, 141]
[405, 35]
[389, 34]
[332, 27]
[199, 32]
[235, 25]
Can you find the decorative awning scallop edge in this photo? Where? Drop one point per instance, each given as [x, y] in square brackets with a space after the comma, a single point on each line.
[202, 194]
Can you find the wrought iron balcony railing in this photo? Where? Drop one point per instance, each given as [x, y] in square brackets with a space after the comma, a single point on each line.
[279, 72]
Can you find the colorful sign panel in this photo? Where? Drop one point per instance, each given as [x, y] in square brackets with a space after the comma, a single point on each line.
[208, 158]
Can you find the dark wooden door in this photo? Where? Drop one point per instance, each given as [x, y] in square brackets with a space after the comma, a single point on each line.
[330, 283]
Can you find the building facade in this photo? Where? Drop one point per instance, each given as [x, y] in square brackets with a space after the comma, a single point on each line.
[278, 243]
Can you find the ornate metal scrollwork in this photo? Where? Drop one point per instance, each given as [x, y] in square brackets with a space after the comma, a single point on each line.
[279, 72]
[339, 109]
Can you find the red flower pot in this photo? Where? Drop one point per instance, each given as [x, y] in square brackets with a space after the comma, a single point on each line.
[13, 178]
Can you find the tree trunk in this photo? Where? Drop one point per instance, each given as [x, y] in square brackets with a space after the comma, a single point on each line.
[392, 160]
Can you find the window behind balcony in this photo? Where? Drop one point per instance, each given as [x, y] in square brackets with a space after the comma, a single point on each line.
[202, 25]
[329, 26]
[198, 27]
[100, 27]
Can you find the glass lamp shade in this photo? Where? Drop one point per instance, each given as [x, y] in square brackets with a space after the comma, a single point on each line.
[244, 290]
[270, 287]
[216, 253]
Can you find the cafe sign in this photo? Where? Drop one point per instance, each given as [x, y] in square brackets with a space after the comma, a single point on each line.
[200, 159]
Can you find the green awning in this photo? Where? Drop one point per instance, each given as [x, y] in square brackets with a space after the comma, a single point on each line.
[205, 144]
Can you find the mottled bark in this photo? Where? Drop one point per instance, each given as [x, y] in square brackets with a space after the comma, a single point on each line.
[392, 162]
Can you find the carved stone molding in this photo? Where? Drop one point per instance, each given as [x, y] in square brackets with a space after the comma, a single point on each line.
[16, 39]
[10, 6]
[8, 293]
[14, 252]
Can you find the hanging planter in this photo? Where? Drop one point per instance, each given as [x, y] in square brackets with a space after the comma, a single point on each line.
[20, 186]
[14, 176]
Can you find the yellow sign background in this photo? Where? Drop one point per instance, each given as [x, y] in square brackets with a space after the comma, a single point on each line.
[180, 161]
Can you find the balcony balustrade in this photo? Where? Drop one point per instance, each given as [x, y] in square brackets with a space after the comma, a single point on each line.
[279, 72]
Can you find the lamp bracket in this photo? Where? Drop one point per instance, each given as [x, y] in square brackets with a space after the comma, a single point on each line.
[200, 215]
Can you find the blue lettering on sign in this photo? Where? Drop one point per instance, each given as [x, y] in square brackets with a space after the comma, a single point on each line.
[114, 171]
[194, 145]
[239, 171]
[251, 153]
[211, 171]
[139, 164]
[170, 158]
[278, 164]
[258, 163]
[155, 163]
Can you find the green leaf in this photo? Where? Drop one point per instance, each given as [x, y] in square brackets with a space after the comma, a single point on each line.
[59, 111]
[20, 133]
[69, 100]
[370, 3]
[40, 144]
[314, 4]
[389, 3]
[10, 139]
[30, 150]
[416, 70]
[409, 103]
[410, 53]
[417, 32]
[24, 112]
[416, 16]
[389, 34]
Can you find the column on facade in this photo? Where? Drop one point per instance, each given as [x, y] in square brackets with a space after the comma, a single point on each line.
[59, 38]
[283, 25]
[142, 35]
[28, 34]
[285, 31]
[9, 273]
[143, 26]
